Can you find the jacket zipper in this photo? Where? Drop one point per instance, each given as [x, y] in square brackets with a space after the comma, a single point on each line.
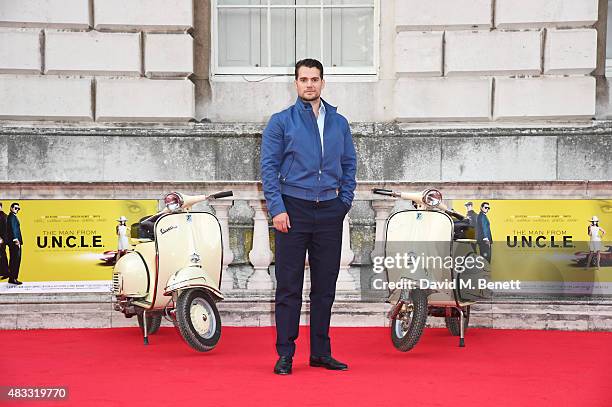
[316, 127]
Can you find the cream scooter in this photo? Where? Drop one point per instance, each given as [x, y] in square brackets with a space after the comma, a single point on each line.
[175, 271]
[442, 271]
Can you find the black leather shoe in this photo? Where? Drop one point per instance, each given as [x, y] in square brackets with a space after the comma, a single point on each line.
[327, 362]
[283, 365]
[3, 277]
[15, 282]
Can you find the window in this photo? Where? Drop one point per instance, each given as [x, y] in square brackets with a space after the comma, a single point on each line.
[269, 36]
[609, 41]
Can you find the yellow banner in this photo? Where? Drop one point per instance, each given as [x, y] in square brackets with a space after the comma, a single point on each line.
[66, 240]
[547, 240]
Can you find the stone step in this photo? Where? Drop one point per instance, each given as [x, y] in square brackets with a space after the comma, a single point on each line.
[82, 310]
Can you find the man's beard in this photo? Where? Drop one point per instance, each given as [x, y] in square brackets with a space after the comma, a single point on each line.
[310, 99]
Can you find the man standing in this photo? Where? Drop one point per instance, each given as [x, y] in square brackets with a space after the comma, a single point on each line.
[15, 244]
[308, 167]
[483, 232]
[471, 215]
[4, 269]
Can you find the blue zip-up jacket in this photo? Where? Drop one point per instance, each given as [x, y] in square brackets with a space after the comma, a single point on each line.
[291, 159]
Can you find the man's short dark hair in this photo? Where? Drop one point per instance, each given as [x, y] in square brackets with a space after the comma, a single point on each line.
[483, 204]
[14, 204]
[309, 63]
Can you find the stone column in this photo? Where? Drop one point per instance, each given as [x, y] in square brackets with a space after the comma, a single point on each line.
[345, 280]
[260, 256]
[222, 208]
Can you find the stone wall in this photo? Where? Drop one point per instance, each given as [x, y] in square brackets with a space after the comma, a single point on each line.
[502, 60]
[207, 152]
[467, 61]
[103, 60]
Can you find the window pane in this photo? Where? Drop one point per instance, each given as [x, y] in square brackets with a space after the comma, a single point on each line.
[351, 2]
[282, 37]
[308, 31]
[352, 36]
[240, 36]
[238, 2]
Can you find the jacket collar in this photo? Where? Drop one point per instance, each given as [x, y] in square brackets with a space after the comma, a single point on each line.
[304, 106]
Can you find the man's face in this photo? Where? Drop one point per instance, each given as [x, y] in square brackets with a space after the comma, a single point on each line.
[469, 207]
[485, 208]
[15, 209]
[309, 84]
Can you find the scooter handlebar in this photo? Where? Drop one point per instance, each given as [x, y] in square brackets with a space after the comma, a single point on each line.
[223, 194]
[381, 191]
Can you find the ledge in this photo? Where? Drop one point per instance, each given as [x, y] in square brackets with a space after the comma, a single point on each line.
[381, 129]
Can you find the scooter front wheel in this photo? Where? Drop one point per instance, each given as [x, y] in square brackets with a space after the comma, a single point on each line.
[198, 319]
[407, 327]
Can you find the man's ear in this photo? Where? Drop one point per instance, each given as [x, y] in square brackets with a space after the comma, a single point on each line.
[322, 84]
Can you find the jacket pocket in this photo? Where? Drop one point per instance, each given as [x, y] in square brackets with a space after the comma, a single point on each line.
[285, 174]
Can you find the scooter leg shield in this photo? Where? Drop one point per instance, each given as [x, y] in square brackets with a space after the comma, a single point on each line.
[192, 277]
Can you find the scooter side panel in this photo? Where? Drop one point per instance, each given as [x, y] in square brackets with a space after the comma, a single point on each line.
[132, 275]
[426, 238]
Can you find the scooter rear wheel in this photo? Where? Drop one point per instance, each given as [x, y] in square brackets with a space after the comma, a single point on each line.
[198, 319]
[406, 330]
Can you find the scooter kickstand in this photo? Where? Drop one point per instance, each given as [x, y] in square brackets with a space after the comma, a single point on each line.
[461, 329]
[144, 323]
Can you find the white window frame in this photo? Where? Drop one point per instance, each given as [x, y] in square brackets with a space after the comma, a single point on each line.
[608, 69]
[363, 71]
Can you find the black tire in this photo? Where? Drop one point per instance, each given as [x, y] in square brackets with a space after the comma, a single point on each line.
[452, 322]
[405, 335]
[201, 336]
[153, 322]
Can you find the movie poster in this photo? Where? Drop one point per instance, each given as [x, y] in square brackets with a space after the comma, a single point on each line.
[70, 245]
[546, 243]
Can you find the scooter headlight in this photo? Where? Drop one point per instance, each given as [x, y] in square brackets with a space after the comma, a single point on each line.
[173, 201]
[432, 197]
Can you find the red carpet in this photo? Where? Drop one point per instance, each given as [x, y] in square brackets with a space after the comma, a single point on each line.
[111, 367]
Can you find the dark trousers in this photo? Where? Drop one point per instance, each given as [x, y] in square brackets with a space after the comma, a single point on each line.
[316, 228]
[485, 250]
[14, 261]
[4, 268]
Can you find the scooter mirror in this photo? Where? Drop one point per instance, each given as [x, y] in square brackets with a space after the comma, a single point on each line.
[432, 197]
[173, 201]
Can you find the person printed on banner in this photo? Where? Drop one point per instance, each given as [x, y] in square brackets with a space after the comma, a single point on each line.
[471, 214]
[595, 233]
[123, 244]
[15, 242]
[483, 232]
[4, 267]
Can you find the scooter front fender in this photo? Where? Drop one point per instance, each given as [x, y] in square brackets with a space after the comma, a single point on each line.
[191, 277]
